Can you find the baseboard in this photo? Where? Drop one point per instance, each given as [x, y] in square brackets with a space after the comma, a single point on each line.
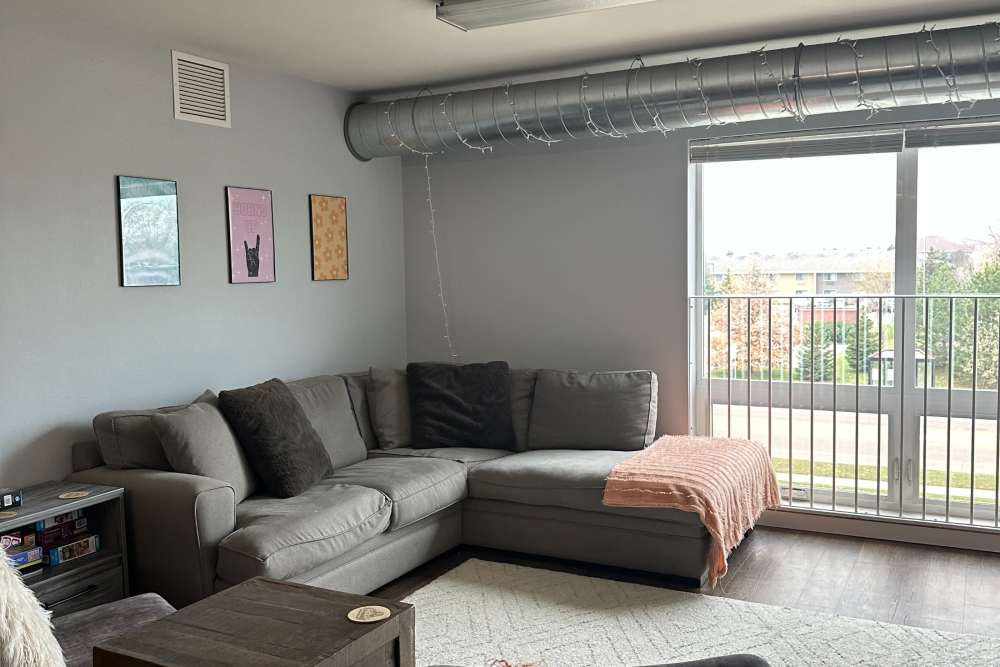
[884, 528]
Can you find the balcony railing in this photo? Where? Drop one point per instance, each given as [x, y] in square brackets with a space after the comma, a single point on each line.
[879, 405]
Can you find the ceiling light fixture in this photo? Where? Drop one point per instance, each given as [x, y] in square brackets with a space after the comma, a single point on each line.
[473, 14]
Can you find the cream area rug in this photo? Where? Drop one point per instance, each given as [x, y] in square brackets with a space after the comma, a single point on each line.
[481, 611]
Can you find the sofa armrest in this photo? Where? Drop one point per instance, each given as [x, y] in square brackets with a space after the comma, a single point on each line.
[175, 523]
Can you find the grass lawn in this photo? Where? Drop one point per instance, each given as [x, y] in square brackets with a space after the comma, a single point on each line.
[959, 480]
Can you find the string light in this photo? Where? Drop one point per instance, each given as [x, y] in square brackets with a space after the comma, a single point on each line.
[594, 128]
[696, 64]
[654, 117]
[795, 111]
[437, 261]
[950, 80]
[863, 102]
[395, 135]
[432, 218]
[484, 149]
[779, 84]
[527, 134]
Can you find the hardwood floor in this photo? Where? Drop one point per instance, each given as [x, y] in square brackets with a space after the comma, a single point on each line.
[933, 587]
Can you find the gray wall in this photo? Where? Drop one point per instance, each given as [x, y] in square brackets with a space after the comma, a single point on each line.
[567, 257]
[79, 105]
[573, 256]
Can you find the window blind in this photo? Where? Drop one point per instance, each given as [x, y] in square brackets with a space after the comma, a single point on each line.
[953, 134]
[790, 145]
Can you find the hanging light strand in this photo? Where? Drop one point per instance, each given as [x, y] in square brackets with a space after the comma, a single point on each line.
[950, 80]
[779, 84]
[863, 102]
[432, 220]
[432, 217]
[696, 64]
[389, 109]
[485, 148]
[658, 124]
[595, 129]
[525, 132]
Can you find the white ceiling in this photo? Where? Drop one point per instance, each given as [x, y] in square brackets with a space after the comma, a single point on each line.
[373, 45]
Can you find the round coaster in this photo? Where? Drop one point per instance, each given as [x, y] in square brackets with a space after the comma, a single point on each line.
[72, 495]
[369, 614]
[8, 515]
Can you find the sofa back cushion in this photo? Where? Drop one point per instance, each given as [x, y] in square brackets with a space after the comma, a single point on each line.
[460, 405]
[327, 403]
[609, 410]
[197, 440]
[522, 395]
[389, 407]
[357, 389]
[127, 440]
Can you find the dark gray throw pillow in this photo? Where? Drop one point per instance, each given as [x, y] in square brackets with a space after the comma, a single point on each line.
[281, 445]
[460, 406]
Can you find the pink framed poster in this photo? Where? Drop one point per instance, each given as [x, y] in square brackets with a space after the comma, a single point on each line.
[251, 235]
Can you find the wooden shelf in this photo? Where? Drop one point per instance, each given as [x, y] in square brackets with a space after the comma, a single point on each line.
[95, 561]
[89, 580]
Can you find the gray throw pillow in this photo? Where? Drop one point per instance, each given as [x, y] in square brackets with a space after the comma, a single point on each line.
[280, 443]
[611, 410]
[389, 406]
[197, 440]
[127, 440]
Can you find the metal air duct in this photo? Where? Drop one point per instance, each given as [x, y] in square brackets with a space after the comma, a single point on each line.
[956, 66]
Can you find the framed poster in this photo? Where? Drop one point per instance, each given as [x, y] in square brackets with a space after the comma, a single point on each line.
[251, 235]
[148, 235]
[328, 220]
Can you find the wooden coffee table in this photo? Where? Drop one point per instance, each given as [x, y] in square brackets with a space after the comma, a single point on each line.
[268, 622]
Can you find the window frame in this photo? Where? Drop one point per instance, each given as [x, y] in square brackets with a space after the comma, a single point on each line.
[900, 409]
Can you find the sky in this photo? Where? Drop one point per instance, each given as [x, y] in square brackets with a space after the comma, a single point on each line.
[846, 202]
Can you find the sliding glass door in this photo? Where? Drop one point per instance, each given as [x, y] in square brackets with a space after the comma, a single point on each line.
[845, 315]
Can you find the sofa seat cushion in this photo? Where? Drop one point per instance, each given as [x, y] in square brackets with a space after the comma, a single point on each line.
[281, 537]
[417, 486]
[466, 455]
[561, 478]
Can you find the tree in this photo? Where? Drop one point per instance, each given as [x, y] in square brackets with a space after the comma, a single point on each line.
[939, 275]
[730, 333]
[875, 282]
[860, 342]
[815, 353]
[985, 280]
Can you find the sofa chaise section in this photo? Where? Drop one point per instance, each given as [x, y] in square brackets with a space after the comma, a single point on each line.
[548, 502]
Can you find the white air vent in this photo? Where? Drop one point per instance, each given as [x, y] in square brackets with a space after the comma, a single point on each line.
[201, 90]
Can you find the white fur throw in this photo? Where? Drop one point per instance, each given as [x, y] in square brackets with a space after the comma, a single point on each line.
[26, 638]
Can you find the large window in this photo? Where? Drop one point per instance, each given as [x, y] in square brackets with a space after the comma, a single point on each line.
[847, 291]
[830, 224]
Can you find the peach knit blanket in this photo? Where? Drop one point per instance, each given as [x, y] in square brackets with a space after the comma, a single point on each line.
[728, 482]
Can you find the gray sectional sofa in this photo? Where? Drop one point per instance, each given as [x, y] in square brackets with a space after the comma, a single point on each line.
[389, 507]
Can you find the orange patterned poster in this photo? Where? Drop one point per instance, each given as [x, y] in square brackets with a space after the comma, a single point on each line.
[329, 237]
